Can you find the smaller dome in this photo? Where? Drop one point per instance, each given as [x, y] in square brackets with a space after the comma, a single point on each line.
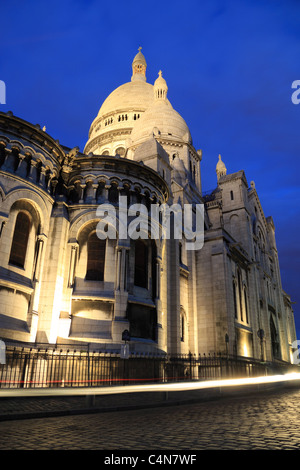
[160, 87]
[221, 169]
[161, 117]
[221, 164]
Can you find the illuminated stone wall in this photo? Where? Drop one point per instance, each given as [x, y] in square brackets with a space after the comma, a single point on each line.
[213, 300]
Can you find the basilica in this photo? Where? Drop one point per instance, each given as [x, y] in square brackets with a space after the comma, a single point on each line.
[63, 283]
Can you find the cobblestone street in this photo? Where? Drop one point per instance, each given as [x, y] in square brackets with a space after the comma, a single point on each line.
[267, 420]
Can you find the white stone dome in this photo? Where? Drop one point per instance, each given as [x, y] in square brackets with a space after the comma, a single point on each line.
[135, 95]
[118, 115]
[162, 120]
[120, 111]
[130, 113]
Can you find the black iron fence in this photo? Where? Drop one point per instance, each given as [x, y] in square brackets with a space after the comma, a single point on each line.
[36, 367]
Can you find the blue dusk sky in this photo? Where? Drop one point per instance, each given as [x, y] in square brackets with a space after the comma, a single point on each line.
[229, 66]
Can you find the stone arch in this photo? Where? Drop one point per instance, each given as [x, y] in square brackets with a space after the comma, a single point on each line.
[80, 222]
[103, 179]
[26, 205]
[4, 140]
[19, 245]
[87, 262]
[15, 144]
[120, 150]
[33, 198]
[20, 253]
[41, 157]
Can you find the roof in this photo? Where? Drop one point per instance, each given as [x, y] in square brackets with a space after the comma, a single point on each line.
[233, 176]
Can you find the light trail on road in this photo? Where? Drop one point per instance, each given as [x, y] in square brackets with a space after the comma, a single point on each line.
[138, 388]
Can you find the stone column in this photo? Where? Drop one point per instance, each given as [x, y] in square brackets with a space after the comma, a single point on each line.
[120, 322]
[22, 170]
[81, 198]
[124, 269]
[32, 171]
[158, 304]
[73, 260]
[54, 277]
[40, 246]
[42, 177]
[37, 274]
[118, 270]
[158, 273]
[95, 187]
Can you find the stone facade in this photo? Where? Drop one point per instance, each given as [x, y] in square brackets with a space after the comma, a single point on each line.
[63, 283]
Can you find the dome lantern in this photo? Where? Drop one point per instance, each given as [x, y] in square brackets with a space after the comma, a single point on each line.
[139, 66]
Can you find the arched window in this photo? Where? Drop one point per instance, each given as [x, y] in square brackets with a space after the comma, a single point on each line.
[246, 304]
[20, 240]
[141, 264]
[96, 258]
[182, 327]
[120, 151]
[234, 299]
[113, 193]
[240, 294]
[180, 253]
